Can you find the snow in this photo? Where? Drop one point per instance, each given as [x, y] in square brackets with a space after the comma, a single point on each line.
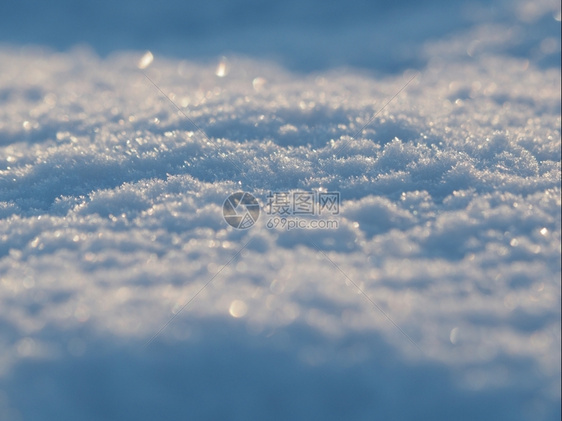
[125, 295]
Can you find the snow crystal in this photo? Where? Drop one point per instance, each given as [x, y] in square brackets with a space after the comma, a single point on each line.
[124, 291]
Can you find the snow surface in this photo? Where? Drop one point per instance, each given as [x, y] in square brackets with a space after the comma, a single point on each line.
[125, 295]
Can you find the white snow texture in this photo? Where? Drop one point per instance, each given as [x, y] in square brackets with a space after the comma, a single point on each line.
[125, 295]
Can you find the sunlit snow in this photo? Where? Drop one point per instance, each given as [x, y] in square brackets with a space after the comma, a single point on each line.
[124, 294]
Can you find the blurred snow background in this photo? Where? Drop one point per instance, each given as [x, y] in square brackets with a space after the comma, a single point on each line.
[110, 207]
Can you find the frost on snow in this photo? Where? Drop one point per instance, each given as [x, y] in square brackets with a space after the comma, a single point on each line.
[111, 222]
